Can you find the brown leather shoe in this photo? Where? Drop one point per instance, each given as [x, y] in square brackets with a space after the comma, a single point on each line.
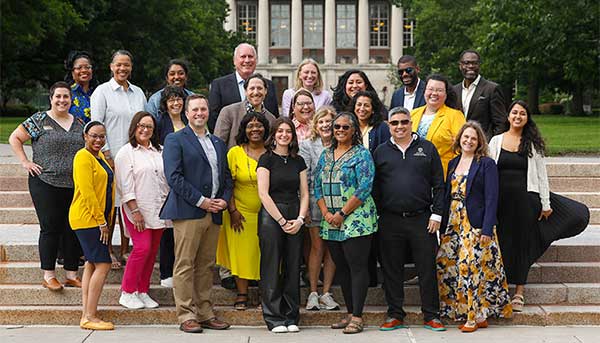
[215, 324]
[53, 285]
[76, 282]
[191, 326]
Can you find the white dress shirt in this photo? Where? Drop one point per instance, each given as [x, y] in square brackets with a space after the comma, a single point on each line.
[140, 175]
[467, 93]
[240, 83]
[115, 107]
[409, 98]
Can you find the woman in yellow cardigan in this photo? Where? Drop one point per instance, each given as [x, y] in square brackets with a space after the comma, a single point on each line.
[436, 121]
[92, 205]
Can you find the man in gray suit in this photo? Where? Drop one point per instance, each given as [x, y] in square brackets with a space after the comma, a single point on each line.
[479, 99]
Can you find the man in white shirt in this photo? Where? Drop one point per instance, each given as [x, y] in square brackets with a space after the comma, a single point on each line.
[411, 94]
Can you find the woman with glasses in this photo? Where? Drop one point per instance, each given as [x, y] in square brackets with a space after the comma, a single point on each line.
[80, 75]
[55, 137]
[343, 182]
[143, 188]
[437, 121]
[302, 112]
[308, 76]
[90, 212]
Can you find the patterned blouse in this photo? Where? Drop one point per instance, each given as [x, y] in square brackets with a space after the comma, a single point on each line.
[80, 106]
[54, 148]
[337, 181]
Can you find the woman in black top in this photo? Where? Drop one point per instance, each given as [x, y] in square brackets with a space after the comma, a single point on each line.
[281, 175]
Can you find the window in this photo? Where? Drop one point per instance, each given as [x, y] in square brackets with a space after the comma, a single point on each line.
[313, 25]
[247, 15]
[408, 28]
[346, 25]
[379, 24]
[280, 25]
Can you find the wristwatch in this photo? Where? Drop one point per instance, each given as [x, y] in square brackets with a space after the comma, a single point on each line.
[343, 214]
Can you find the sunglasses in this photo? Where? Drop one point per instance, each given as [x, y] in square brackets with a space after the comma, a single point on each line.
[408, 70]
[341, 127]
[399, 122]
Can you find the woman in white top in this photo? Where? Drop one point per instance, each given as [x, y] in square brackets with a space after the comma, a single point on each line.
[114, 103]
[143, 188]
[308, 76]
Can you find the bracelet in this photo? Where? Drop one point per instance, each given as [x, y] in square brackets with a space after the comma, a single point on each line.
[280, 218]
[137, 209]
[342, 213]
[103, 225]
[301, 219]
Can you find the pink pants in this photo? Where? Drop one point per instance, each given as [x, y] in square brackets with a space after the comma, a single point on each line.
[140, 263]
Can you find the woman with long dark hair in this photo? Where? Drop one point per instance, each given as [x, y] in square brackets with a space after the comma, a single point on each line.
[527, 222]
[350, 83]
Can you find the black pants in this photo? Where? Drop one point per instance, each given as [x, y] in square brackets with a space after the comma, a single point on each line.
[374, 257]
[52, 209]
[280, 257]
[167, 254]
[351, 259]
[397, 234]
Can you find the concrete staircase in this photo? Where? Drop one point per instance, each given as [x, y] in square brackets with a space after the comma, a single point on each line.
[564, 285]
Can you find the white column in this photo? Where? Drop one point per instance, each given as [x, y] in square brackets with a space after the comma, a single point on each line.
[230, 23]
[296, 26]
[262, 38]
[396, 34]
[329, 42]
[363, 31]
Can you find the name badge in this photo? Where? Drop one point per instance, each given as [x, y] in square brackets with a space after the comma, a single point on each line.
[48, 128]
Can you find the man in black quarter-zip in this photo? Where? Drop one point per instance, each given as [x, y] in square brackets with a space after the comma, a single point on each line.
[408, 191]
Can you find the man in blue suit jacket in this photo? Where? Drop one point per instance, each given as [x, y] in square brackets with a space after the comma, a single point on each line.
[411, 94]
[196, 169]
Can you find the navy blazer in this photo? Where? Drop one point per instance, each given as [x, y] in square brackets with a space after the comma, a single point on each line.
[189, 175]
[481, 194]
[398, 96]
[224, 91]
[378, 135]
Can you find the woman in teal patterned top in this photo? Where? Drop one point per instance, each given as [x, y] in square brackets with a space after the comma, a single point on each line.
[343, 181]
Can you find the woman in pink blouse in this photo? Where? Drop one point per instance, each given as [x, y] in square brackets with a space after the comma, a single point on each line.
[143, 188]
[302, 112]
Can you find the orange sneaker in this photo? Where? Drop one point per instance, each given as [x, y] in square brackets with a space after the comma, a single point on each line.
[391, 324]
[434, 325]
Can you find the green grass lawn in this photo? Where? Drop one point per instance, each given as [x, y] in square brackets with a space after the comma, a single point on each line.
[563, 135]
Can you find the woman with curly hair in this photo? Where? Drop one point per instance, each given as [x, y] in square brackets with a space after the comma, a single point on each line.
[350, 83]
[527, 224]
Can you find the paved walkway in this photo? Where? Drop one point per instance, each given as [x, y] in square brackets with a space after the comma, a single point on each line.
[147, 334]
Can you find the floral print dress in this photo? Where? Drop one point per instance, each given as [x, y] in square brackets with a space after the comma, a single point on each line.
[471, 279]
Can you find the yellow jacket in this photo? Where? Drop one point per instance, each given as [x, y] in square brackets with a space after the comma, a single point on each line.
[443, 129]
[89, 200]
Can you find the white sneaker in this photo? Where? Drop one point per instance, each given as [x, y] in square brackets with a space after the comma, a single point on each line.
[131, 301]
[279, 329]
[293, 328]
[326, 302]
[312, 304]
[167, 283]
[148, 302]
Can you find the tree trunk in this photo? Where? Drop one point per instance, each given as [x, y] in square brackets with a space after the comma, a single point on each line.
[577, 102]
[533, 92]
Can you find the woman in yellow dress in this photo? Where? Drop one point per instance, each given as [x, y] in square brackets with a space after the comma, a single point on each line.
[238, 248]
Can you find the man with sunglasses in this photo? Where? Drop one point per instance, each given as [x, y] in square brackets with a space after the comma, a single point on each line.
[479, 99]
[411, 94]
[408, 190]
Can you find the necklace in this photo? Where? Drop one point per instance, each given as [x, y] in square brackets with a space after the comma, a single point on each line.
[284, 158]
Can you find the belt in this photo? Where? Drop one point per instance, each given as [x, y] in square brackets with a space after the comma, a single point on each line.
[411, 213]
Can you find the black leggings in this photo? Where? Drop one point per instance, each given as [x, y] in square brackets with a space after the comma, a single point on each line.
[167, 254]
[351, 259]
[52, 209]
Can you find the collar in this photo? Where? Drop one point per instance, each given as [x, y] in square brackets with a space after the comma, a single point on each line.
[238, 78]
[413, 138]
[114, 85]
[474, 84]
[250, 108]
[151, 147]
[415, 91]
[298, 124]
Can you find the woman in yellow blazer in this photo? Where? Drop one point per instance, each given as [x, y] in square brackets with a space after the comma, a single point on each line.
[91, 207]
[436, 121]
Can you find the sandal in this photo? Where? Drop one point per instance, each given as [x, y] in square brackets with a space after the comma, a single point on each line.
[353, 327]
[115, 264]
[241, 305]
[517, 303]
[342, 323]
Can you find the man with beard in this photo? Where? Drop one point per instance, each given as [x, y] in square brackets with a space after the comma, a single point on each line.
[479, 99]
[410, 95]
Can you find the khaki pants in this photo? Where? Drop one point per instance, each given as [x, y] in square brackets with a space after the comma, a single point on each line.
[195, 249]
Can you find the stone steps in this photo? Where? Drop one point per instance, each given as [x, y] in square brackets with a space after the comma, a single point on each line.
[534, 315]
[35, 294]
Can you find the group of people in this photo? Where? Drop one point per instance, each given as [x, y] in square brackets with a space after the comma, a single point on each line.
[226, 179]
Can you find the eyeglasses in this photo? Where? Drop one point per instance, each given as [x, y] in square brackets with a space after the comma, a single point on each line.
[306, 103]
[397, 122]
[436, 90]
[174, 100]
[97, 137]
[470, 63]
[408, 70]
[341, 127]
[145, 127]
[256, 126]
[83, 67]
